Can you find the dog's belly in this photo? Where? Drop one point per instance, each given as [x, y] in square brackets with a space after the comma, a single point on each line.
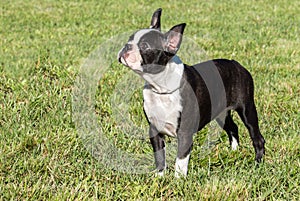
[163, 110]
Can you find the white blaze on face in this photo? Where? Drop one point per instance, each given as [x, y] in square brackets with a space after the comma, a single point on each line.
[138, 35]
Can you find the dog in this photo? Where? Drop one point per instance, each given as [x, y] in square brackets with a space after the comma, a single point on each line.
[180, 100]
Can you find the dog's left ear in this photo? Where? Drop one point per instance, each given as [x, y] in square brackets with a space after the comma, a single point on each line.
[155, 21]
[173, 38]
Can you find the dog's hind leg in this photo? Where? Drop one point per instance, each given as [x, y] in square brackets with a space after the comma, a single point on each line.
[248, 115]
[158, 145]
[231, 129]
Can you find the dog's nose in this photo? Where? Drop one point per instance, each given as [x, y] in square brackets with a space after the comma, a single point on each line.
[124, 52]
[120, 54]
[120, 59]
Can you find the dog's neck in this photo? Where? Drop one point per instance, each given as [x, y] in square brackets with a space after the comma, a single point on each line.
[167, 81]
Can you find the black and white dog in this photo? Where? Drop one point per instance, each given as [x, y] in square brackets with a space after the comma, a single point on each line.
[179, 99]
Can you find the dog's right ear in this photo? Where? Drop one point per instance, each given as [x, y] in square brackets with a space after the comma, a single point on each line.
[155, 21]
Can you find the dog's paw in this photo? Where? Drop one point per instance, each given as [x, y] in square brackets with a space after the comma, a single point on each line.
[234, 144]
[181, 167]
[160, 173]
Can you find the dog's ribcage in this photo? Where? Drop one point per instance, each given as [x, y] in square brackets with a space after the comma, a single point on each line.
[163, 110]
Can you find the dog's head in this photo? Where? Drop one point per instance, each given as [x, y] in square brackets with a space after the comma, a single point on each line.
[149, 50]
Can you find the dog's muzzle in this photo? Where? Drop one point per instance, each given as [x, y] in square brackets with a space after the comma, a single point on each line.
[124, 52]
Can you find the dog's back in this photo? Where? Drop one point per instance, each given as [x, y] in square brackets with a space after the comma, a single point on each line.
[219, 85]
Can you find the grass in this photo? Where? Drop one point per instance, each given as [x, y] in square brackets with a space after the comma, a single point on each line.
[43, 45]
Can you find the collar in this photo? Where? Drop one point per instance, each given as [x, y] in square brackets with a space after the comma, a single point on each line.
[161, 93]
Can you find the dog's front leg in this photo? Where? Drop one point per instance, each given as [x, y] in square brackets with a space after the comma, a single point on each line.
[185, 143]
[158, 144]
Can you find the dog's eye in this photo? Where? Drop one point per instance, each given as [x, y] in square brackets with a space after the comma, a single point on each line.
[144, 46]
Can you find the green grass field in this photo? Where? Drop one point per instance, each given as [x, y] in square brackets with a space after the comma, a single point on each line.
[44, 43]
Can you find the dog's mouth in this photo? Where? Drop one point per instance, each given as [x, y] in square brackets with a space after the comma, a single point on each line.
[123, 61]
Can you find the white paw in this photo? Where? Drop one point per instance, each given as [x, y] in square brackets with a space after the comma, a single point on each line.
[160, 174]
[181, 167]
[234, 144]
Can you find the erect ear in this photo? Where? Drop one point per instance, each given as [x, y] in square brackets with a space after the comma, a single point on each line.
[174, 38]
[155, 21]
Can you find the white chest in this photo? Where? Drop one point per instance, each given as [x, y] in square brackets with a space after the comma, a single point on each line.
[163, 110]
